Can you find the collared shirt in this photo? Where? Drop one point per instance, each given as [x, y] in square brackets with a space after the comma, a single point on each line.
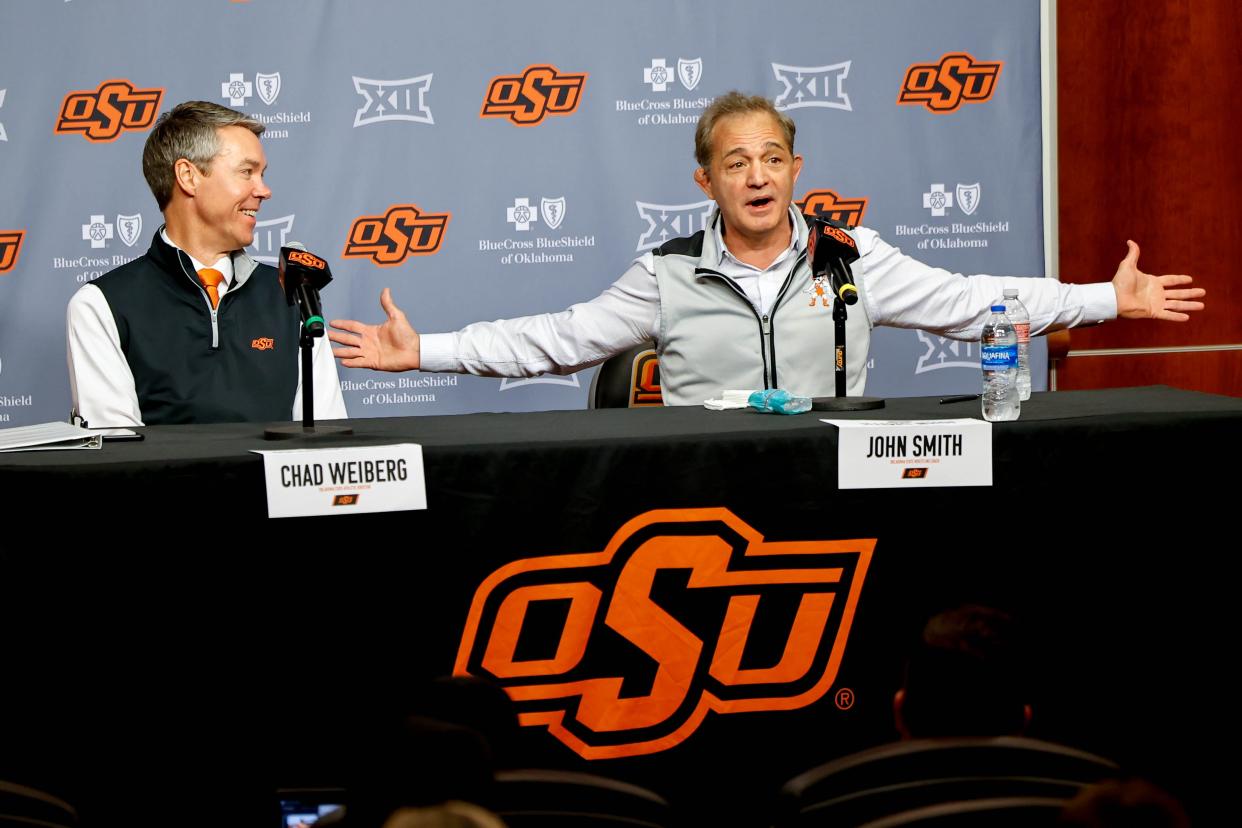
[762, 285]
[898, 292]
[102, 383]
[223, 266]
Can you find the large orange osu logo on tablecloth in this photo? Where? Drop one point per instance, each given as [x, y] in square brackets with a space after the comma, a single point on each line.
[624, 652]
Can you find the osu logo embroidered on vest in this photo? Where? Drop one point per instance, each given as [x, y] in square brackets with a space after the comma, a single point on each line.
[308, 259]
[263, 343]
[10, 248]
[401, 232]
[943, 87]
[116, 106]
[527, 98]
[624, 652]
[827, 204]
[645, 380]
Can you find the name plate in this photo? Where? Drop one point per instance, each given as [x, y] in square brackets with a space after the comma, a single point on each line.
[899, 454]
[344, 481]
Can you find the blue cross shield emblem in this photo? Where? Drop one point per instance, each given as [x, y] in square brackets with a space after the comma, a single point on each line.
[129, 228]
[689, 72]
[553, 211]
[269, 87]
[968, 197]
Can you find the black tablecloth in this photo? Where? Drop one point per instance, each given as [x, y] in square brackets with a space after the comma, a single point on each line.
[148, 599]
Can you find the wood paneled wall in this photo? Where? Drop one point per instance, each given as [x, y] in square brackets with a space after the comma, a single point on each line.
[1150, 149]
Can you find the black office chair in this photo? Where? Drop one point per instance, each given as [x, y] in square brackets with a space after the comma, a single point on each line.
[22, 806]
[530, 797]
[903, 776]
[1013, 812]
[631, 379]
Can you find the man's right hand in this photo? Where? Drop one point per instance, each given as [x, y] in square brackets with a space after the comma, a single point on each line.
[392, 346]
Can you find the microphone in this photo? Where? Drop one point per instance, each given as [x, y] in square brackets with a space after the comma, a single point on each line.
[831, 250]
[303, 275]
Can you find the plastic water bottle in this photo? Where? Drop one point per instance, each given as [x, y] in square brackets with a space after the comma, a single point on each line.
[1016, 311]
[778, 401]
[999, 353]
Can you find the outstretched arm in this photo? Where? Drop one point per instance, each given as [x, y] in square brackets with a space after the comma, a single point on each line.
[585, 334]
[1144, 296]
[391, 346]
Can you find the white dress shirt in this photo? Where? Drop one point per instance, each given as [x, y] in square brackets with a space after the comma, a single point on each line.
[898, 291]
[102, 384]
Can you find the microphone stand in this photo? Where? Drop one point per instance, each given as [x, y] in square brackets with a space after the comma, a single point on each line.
[306, 344]
[841, 402]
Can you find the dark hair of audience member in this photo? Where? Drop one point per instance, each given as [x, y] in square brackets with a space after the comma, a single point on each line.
[1130, 803]
[422, 762]
[964, 678]
[447, 815]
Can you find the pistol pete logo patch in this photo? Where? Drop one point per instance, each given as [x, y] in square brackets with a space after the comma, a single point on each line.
[943, 87]
[645, 381]
[827, 204]
[401, 232]
[528, 98]
[10, 248]
[624, 652]
[101, 115]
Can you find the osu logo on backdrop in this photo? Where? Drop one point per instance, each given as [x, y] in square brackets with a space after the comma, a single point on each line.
[10, 248]
[116, 106]
[401, 232]
[943, 87]
[526, 99]
[623, 652]
[827, 204]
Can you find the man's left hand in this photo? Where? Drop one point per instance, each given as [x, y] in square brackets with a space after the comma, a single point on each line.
[1144, 296]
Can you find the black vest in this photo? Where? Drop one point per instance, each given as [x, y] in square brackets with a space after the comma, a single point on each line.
[249, 373]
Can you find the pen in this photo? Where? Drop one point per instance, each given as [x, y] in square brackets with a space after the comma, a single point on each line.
[959, 398]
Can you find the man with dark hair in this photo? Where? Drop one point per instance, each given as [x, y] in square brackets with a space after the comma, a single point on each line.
[964, 678]
[727, 307]
[195, 330]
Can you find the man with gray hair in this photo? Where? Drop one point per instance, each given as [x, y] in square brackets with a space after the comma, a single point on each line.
[195, 330]
[728, 306]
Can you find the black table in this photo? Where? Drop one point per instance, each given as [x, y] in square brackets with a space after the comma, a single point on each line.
[149, 600]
